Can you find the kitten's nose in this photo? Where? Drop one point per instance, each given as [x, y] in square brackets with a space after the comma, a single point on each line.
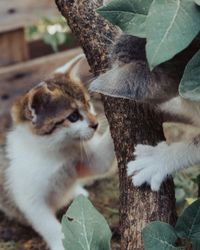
[94, 126]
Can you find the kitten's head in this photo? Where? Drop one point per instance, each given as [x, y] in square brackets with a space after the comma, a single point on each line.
[58, 108]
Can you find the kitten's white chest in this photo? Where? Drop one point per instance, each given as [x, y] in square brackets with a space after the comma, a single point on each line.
[36, 172]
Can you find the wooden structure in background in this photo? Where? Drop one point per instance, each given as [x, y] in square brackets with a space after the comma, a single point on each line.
[18, 71]
[14, 16]
[13, 47]
[17, 14]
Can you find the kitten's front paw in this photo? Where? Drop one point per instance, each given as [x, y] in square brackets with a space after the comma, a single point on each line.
[149, 165]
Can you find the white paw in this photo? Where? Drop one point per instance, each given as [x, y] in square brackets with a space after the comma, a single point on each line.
[150, 165]
[80, 190]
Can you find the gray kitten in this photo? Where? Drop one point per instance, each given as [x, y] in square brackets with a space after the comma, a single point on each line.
[129, 77]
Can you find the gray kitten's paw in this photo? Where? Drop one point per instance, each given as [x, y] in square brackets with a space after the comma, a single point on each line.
[149, 165]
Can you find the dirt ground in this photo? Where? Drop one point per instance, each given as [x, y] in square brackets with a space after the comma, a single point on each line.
[104, 196]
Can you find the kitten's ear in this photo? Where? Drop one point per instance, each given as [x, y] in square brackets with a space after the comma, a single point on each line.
[81, 72]
[77, 69]
[115, 82]
[37, 99]
[130, 76]
[124, 81]
[135, 81]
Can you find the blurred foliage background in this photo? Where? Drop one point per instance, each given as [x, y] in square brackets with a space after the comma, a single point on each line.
[186, 183]
[53, 32]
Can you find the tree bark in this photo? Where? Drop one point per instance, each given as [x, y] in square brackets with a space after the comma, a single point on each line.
[130, 123]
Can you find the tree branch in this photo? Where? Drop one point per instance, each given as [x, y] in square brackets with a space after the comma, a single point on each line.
[130, 123]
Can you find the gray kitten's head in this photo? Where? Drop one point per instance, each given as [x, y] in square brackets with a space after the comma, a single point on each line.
[130, 76]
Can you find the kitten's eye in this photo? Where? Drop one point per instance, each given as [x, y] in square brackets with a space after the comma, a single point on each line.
[74, 117]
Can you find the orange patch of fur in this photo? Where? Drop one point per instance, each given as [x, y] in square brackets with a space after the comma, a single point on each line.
[83, 170]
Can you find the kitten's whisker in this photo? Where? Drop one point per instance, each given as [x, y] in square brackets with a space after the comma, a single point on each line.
[102, 117]
[106, 69]
[102, 120]
[100, 71]
[108, 38]
[93, 78]
[81, 152]
[95, 1]
[86, 152]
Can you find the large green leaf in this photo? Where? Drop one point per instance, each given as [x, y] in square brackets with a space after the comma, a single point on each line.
[171, 25]
[188, 224]
[159, 235]
[195, 244]
[189, 87]
[129, 15]
[84, 227]
[197, 2]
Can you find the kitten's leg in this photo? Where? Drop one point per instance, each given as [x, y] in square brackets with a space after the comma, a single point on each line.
[43, 221]
[153, 164]
[100, 151]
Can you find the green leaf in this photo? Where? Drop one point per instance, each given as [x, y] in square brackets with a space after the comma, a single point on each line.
[129, 15]
[180, 195]
[170, 27]
[51, 40]
[61, 37]
[84, 227]
[195, 244]
[159, 235]
[188, 224]
[189, 87]
[197, 2]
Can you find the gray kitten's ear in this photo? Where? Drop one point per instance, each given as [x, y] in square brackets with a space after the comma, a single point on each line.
[123, 81]
[115, 82]
[77, 69]
[135, 81]
[131, 78]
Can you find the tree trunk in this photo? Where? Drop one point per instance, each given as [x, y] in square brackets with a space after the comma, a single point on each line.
[130, 123]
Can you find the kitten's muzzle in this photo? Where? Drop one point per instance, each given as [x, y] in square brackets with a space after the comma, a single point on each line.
[94, 126]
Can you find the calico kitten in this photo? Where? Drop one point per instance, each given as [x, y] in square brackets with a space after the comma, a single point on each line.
[129, 77]
[54, 127]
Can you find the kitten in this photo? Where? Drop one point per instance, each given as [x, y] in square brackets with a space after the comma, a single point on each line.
[181, 150]
[129, 77]
[53, 147]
